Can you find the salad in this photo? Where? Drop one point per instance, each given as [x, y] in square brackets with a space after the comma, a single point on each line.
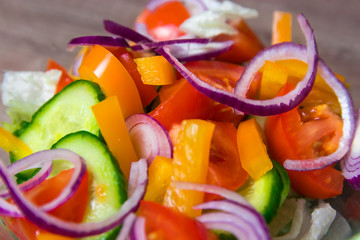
[185, 126]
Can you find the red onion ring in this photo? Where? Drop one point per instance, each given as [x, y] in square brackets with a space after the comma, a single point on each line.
[138, 229]
[230, 223]
[24, 164]
[350, 165]
[98, 40]
[149, 137]
[234, 204]
[238, 100]
[126, 227]
[125, 32]
[76, 230]
[348, 116]
[43, 157]
[152, 45]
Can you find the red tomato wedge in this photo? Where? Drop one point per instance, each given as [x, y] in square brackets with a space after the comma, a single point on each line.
[289, 137]
[162, 23]
[73, 210]
[65, 79]
[225, 168]
[163, 223]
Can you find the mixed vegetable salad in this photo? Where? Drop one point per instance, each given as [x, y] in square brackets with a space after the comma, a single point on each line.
[183, 127]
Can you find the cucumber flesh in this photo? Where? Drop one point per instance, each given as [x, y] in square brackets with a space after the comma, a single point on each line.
[66, 112]
[105, 176]
[265, 194]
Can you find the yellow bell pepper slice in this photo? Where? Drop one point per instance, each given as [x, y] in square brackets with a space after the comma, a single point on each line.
[111, 121]
[11, 143]
[252, 149]
[190, 163]
[160, 172]
[281, 27]
[155, 70]
[102, 67]
[273, 78]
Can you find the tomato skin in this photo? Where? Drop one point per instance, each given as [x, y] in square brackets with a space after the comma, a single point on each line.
[163, 223]
[73, 210]
[161, 23]
[318, 184]
[225, 168]
[65, 79]
[246, 43]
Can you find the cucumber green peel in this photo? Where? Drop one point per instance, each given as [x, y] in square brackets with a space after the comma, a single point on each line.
[104, 173]
[66, 112]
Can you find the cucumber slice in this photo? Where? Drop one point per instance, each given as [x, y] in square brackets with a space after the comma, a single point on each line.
[108, 187]
[66, 112]
[265, 194]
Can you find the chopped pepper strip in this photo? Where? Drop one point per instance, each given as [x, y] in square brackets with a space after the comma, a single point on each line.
[11, 143]
[252, 149]
[155, 70]
[190, 163]
[160, 172]
[281, 27]
[102, 67]
[111, 121]
[273, 78]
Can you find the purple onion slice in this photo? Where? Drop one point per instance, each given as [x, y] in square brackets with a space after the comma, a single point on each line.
[149, 137]
[348, 116]
[138, 231]
[126, 227]
[280, 51]
[98, 40]
[70, 229]
[153, 45]
[43, 157]
[350, 165]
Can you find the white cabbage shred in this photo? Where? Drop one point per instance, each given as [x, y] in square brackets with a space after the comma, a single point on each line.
[213, 21]
[23, 92]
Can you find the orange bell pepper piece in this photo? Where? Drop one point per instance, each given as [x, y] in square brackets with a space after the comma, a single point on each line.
[111, 121]
[281, 27]
[190, 163]
[252, 150]
[102, 67]
[273, 78]
[147, 92]
[11, 143]
[160, 172]
[155, 70]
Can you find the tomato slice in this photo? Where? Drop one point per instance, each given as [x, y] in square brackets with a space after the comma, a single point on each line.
[225, 168]
[291, 136]
[65, 79]
[162, 23]
[246, 43]
[73, 210]
[163, 223]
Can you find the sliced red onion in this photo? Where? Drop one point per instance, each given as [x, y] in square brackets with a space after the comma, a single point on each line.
[98, 40]
[195, 52]
[350, 165]
[348, 116]
[43, 157]
[239, 227]
[234, 204]
[126, 227]
[138, 231]
[76, 230]
[276, 52]
[149, 137]
[153, 45]
[29, 162]
[125, 32]
[247, 214]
